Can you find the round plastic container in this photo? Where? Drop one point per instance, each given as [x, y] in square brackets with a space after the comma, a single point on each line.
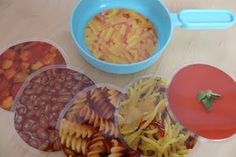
[146, 124]
[18, 60]
[206, 95]
[87, 126]
[39, 102]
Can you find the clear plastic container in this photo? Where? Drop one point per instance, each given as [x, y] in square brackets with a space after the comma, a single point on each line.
[87, 126]
[145, 123]
[18, 60]
[39, 102]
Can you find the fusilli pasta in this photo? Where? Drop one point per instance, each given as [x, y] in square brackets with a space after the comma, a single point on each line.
[99, 101]
[77, 144]
[74, 129]
[88, 128]
[97, 145]
[116, 149]
[107, 126]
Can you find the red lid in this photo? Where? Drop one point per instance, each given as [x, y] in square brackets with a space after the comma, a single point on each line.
[217, 123]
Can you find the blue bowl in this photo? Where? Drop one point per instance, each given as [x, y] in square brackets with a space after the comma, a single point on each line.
[157, 13]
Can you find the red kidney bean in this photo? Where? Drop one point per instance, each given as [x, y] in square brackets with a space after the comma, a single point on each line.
[27, 126]
[57, 86]
[42, 103]
[22, 109]
[46, 89]
[34, 142]
[57, 145]
[24, 98]
[64, 99]
[24, 136]
[34, 127]
[30, 114]
[45, 97]
[69, 77]
[46, 109]
[53, 136]
[42, 133]
[43, 122]
[39, 90]
[29, 91]
[18, 119]
[55, 108]
[38, 113]
[44, 145]
[18, 126]
[69, 84]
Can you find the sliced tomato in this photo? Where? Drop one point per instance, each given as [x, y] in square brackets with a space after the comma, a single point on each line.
[220, 121]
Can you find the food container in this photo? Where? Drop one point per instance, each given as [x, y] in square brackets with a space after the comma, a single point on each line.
[155, 10]
[207, 96]
[39, 102]
[19, 60]
[87, 126]
[146, 124]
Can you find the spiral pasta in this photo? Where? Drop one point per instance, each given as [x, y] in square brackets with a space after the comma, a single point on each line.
[74, 129]
[107, 126]
[99, 102]
[90, 123]
[76, 144]
[114, 97]
[97, 145]
[116, 149]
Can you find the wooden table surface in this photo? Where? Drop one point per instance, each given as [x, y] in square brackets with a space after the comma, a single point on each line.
[49, 19]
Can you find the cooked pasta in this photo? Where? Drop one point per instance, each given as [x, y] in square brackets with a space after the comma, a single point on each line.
[99, 102]
[116, 149]
[88, 127]
[77, 144]
[145, 123]
[97, 145]
[107, 126]
[74, 129]
[114, 97]
[121, 36]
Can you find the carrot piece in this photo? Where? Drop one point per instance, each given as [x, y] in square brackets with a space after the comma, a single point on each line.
[36, 65]
[6, 64]
[20, 77]
[7, 102]
[24, 66]
[25, 56]
[10, 73]
[49, 58]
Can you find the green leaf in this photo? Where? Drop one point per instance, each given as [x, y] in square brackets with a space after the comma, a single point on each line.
[207, 98]
[207, 103]
[201, 96]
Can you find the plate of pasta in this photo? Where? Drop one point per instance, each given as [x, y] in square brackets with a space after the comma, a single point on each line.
[146, 125]
[87, 126]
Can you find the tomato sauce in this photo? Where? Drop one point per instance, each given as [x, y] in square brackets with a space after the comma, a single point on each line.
[220, 121]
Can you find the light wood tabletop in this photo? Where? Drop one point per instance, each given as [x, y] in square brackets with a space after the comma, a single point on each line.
[22, 20]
